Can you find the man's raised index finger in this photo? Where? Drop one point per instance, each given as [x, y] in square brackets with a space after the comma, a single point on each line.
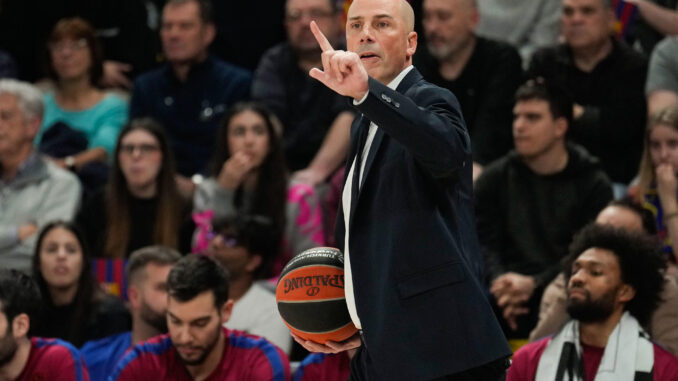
[320, 37]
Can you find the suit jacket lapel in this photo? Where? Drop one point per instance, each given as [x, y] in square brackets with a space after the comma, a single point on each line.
[410, 79]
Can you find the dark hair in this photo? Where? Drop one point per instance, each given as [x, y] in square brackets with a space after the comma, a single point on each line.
[194, 274]
[170, 204]
[270, 194]
[156, 254]
[254, 233]
[88, 288]
[640, 260]
[77, 28]
[646, 217]
[205, 9]
[559, 100]
[18, 295]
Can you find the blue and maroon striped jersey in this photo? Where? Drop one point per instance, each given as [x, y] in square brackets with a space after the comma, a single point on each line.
[53, 359]
[246, 357]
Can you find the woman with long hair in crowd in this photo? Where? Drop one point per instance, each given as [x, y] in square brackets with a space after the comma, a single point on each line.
[75, 307]
[140, 205]
[657, 182]
[76, 66]
[249, 177]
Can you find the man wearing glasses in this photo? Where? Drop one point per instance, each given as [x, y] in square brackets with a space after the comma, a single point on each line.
[243, 246]
[33, 190]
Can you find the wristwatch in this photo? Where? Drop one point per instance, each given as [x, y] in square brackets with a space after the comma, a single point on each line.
[70, 162]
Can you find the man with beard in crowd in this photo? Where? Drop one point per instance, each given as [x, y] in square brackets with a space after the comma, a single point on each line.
[614, 281]
[147, 272]
[24, 358]
[198, 347]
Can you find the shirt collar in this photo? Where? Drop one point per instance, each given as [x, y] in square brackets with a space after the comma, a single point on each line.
[196, 69]
[399, 78]
[24, 167]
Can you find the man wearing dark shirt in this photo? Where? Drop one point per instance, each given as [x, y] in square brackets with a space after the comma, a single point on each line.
[483, 74]
[606, 79]
[316, 121]
[530, 202]
[614, 285]
[28, 359]
[191, 92]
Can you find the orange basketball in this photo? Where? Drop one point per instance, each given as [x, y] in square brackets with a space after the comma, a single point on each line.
[310, 296]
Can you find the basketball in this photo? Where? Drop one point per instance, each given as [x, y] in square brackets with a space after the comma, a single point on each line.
[310, 296]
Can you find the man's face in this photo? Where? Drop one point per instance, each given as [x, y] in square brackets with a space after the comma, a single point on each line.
[234, 257]
[185, 37]
[195, 326]
[153, 307]
[16, 131]
[663, 144]
[449, 26]
[8, 345]
[299, 14]
[586, 23]
[376, 30]
[594, 287]
[535, 131]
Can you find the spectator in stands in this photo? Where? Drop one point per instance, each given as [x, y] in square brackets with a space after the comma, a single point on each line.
[81, 122]
[244, 246]
[663, 325]
[34, 190]
[31, 358]
[614, 283]
[526, 24]
[198, 346]
[483, 74]
[249, 178]
[141, 204]
[191, 92]
[606, 79]
[530, 203]
[662, 76]
[75, 308]
[657, 186]
[317, 120]
[122, 26]
[147, 272]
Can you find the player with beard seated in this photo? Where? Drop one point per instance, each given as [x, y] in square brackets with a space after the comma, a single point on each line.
[23, 358]
[614, 281]
[198, 347]
[147, 272]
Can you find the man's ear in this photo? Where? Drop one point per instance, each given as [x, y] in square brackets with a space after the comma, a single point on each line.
[626, 293]
[33, 124]
[21, 325]
[474, 18]
[411, 44]
[134, 296]
[561, 126]
[210, 34]
[226, 310]
[253, 263]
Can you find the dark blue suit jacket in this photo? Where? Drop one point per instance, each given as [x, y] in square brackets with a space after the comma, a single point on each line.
[413, 246]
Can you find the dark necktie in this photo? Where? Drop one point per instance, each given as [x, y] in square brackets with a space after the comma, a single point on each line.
[355, 186]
